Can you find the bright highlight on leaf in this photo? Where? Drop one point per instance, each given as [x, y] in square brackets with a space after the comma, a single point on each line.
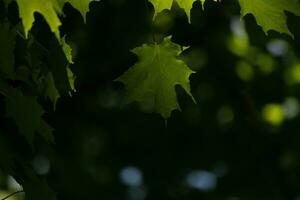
[187, 5]
[152, 80]
[50, 10]
[67, 50]
[47, 8]
[160, 5]
[81, 5]
[270, 13]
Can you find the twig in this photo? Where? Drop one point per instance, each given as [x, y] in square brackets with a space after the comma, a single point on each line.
[12, 194]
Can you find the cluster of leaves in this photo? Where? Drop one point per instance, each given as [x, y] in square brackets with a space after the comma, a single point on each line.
[158, 64]
[43, 67]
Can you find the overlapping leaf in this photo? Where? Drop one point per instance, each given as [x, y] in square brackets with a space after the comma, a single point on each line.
[50, 90]
[26, 113]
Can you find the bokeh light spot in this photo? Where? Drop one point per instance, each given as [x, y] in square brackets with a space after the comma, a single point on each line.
[273, 114]
[202, 180]
[131, 176]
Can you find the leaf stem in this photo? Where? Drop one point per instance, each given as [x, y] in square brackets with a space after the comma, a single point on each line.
[12, 194]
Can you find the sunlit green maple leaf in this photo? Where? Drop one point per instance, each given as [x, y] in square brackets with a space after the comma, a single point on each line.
[81, 5]
[71, 78]
[49, 9]
[160, 5]
[67, 50]
[270, 13]
[152, 80]
[187, 5]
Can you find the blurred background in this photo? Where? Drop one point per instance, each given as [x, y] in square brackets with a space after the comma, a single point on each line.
[240, 141]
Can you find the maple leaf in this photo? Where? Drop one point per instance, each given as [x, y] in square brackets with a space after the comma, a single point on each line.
[270, 13]
[67, 50]
[50, 90]
[49, 9]
[152, 80]
[26, 113]
[60, 58]
[186, 5]
[81, 5]
[160, 5]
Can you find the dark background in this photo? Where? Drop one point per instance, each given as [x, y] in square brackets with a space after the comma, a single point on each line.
[223, 142]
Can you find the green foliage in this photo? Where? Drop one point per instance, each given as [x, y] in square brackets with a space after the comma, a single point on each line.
[81, 5]
[160, 5]
[270, 14]
[39, 66]
[25, 110]
[67, 50]
[27, 114]
[50, 89]
[47, 8]
[152, 80]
